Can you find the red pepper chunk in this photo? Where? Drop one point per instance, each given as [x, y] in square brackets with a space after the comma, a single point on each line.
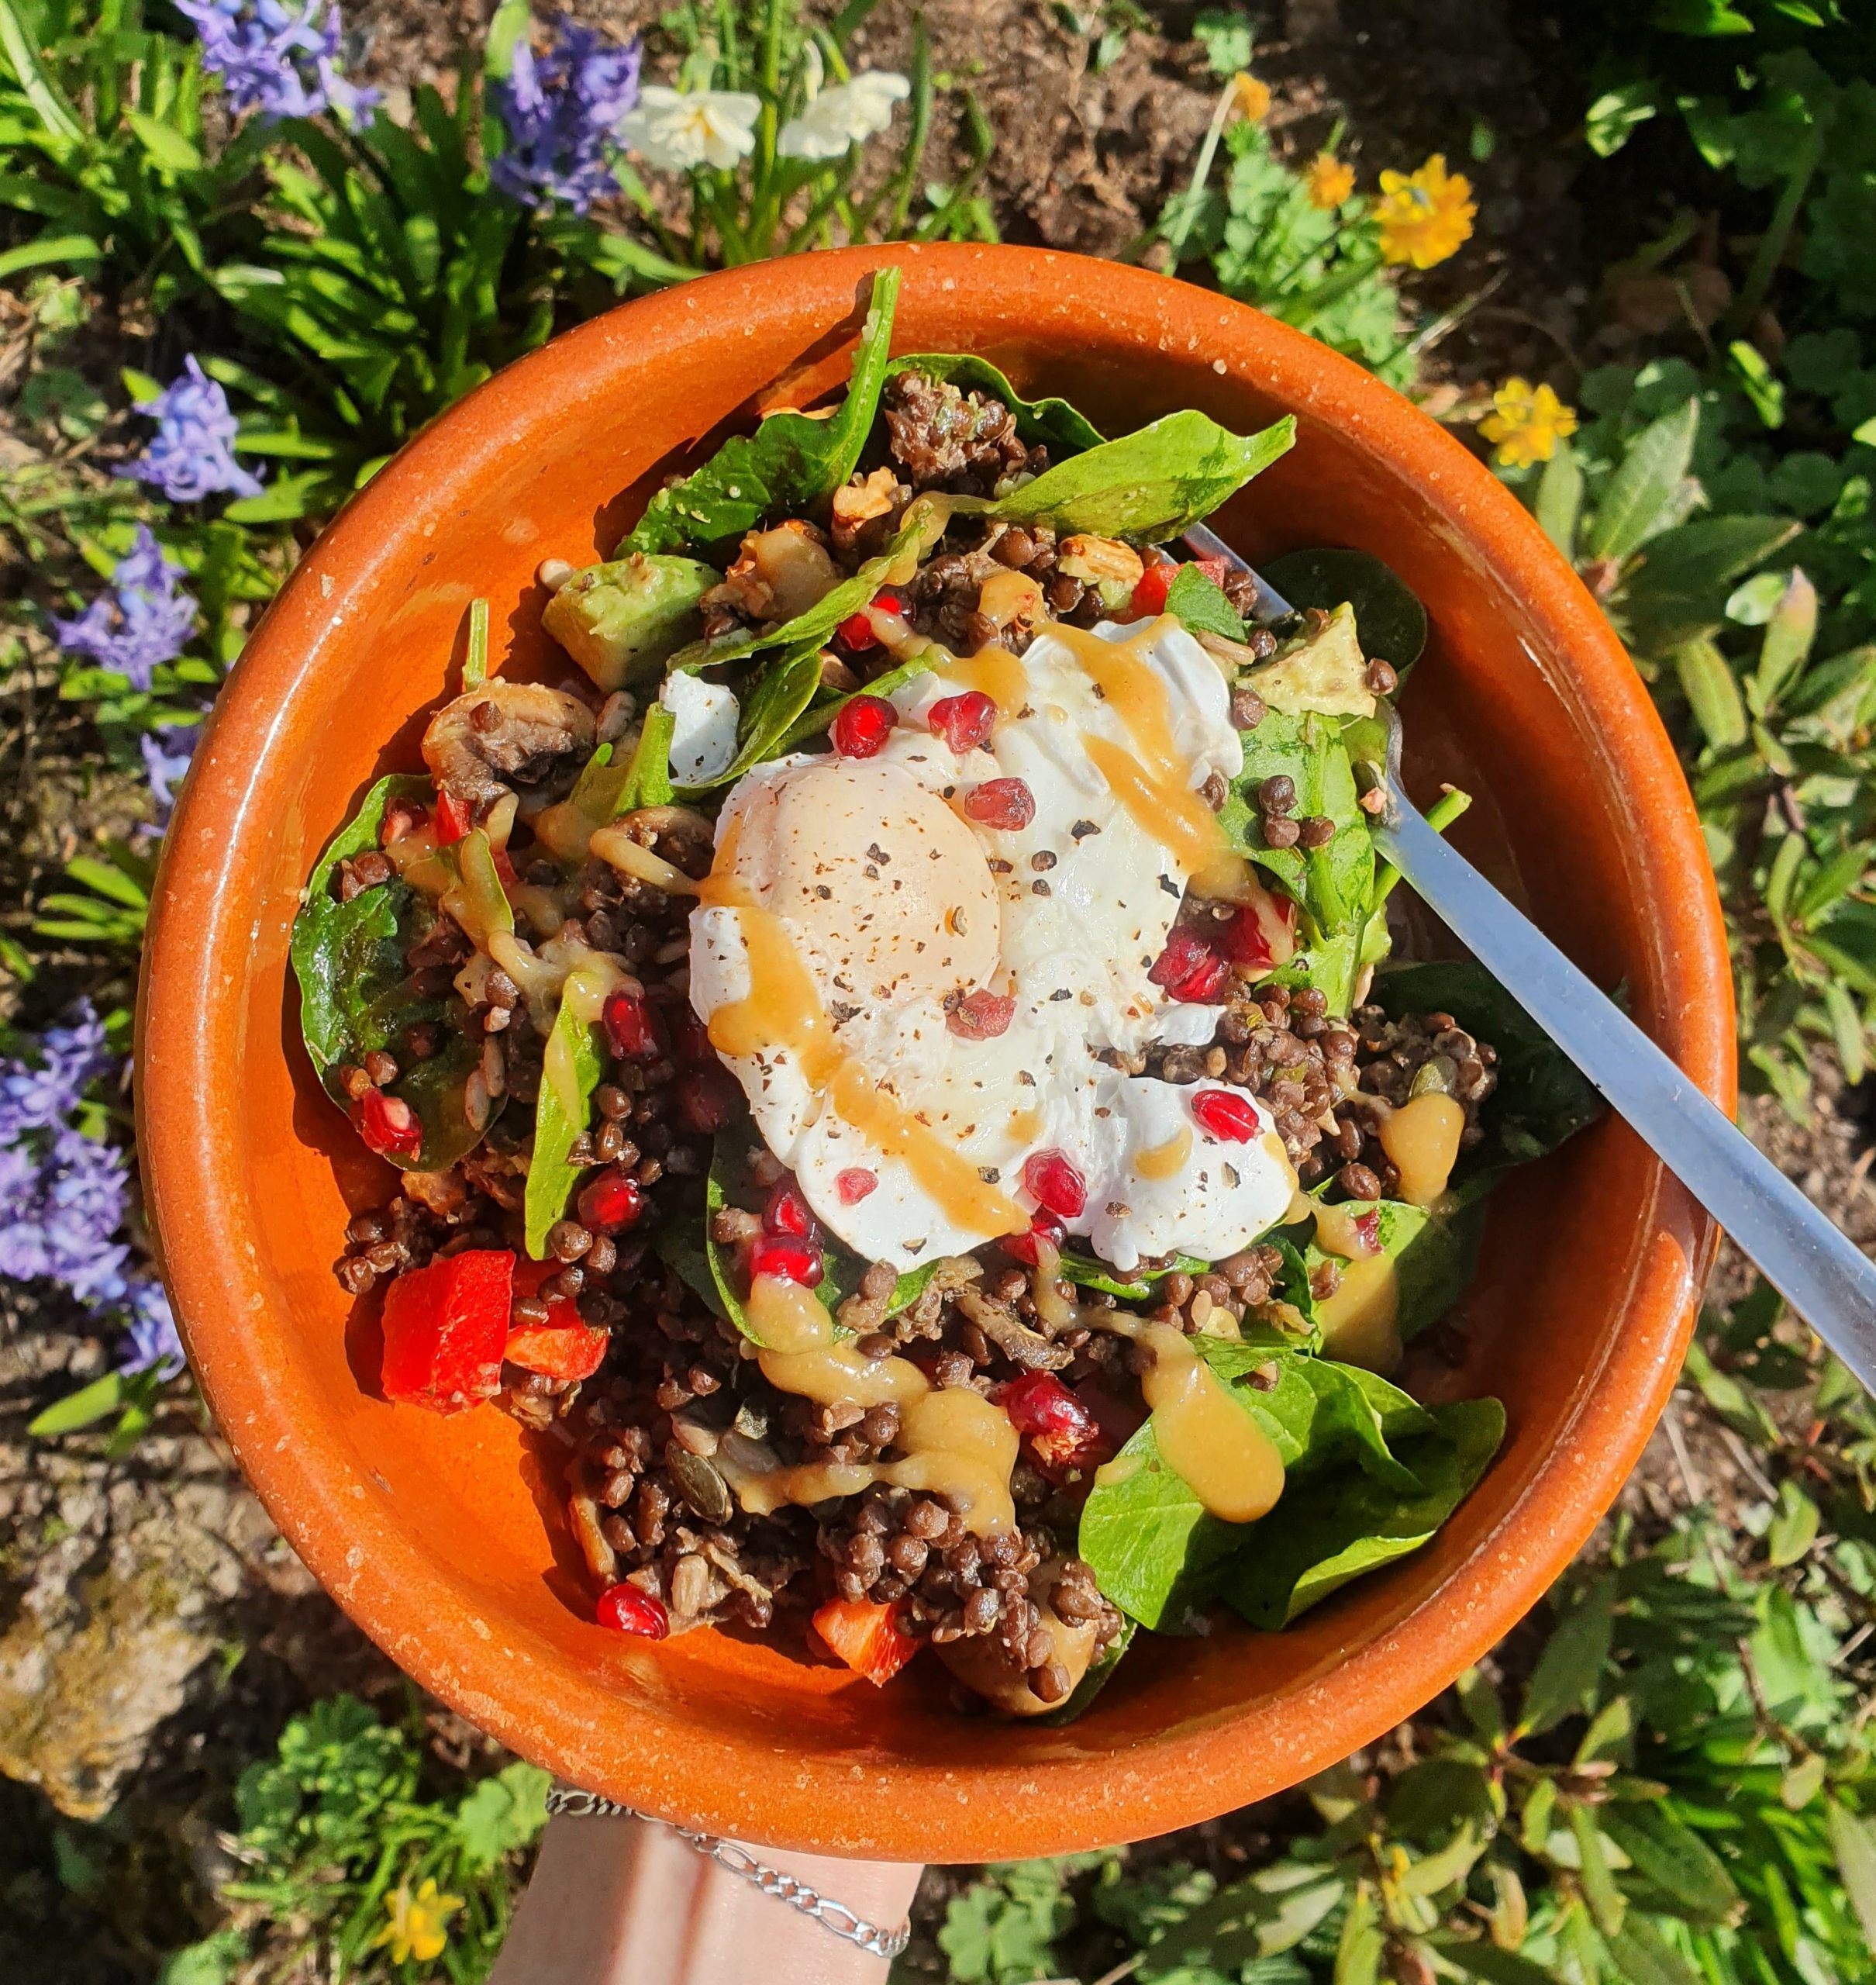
[867, 1636]
[556, 1349]
[446, 1330]
[1152, 587]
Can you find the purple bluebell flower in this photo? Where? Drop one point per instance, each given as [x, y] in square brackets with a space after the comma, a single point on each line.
[561, 112]
[166, 754]
[191, 453]
[153, 1345]
[144, 620]
[63, 1196]
[277, 60]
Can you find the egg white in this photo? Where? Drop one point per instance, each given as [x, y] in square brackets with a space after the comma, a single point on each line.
[1074, 952]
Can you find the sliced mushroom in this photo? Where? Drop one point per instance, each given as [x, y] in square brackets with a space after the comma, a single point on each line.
[1019, 1343]
[505, 734]
[778, 574]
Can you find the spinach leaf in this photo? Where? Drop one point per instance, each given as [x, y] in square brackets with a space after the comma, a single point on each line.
[784, 692]
[1152, 484]
[842, 1272]
[1331, 965]
[551, 1178]
[678, 1240]
[1199, 601]
[1054, 424]
[605, 788]
[819, 714]
[1333, 883]
[1542, 1099]
[792, 461]
[1390, 622]
[1152, 1544]
[1355, 1523]
[358, 994]
[1086, 1272]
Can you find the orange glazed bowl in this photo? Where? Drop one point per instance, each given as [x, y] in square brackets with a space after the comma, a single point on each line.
[442, 1537]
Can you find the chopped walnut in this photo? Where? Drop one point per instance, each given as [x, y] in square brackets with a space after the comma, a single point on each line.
[858, 503]
[778, 574]
[1100, 561]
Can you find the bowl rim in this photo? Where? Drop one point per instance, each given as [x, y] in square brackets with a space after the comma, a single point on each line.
[826, 1804]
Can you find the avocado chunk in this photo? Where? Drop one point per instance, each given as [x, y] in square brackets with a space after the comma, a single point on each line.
[1325, 673]
[619, 621]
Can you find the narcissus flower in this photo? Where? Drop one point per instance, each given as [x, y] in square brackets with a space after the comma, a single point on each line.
[1525, 423]
[1426, 216]
[416, 1926]
[1329, 181]
[1250, 98]
[834, 121]
[678, 130]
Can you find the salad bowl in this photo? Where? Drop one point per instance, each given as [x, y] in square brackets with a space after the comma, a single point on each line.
[430, 1530]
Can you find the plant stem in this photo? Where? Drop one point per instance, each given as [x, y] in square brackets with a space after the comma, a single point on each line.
[1202, 171]
[1440, 816]
[1776, 237]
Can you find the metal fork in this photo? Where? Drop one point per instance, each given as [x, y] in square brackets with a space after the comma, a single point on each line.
[1819, 1270]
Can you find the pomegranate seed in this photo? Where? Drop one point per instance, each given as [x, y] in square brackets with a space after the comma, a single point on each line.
[889, 599]
[853, 1186]
[1002, 802]
[963, 722]
[1226, 1113]
[857, 631]
[1039, 1403]
[1042, 1226]
[981, 1015]
[787, 1212]
[706, 1099]
[1215, 569]
[864, 723]
[389, 1124]
[613, 1200]
[788, 1257]
[1055, 1182]
[626, 1610]
[636, 1034]
[1368, 1226]
[453, 819]
[1189, 969]
[1149, 594]
[693, 1038]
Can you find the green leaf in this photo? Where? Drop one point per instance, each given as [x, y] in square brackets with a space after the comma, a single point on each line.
[84, 1408]
[500, 1815]
[1733, 1405]
[579, 1046]
[1679, 589]
[1333, 883]
[784, 690]
[1200, 601]
[512, 23]
[1152, 484]
[1267, 1913]
[1542, 1098]
[1607, 1904]
[1794, 1526]
[1052, 423]
[166, 146]
[790, 463]
[1352, 1524]
[1479, 1958]
[1666, 1852]
[47, 248]
[1789, 633]
[1853, 1841]
[48, 102]
[1570, 1669]
[357, 993]
[1390, 622]
[1641, 492]
[1614, 115]
[1362, 1945]
[1644, 1957]
[1713, 693]
[475, 654]
[1433, 1255]
[1559, 502]
[1756, 380]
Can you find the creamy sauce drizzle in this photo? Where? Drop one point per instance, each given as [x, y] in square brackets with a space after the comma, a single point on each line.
[583, 993]
[1205, 1437]
[1165, 1160]
[1359, 1321]
[997, 673]
[953, 1443]
[1339, 1230]
[1150, 782]
[1422, 1140]
[414, 857]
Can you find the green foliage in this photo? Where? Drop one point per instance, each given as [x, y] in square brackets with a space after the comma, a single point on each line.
[338, 1821]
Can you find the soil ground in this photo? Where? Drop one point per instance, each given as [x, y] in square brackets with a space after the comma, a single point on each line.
[219, 1635]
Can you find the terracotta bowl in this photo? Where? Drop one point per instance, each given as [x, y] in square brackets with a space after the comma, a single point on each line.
[439, 1536]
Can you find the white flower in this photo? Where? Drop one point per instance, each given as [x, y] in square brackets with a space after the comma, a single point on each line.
[840, 118]
[678, 130]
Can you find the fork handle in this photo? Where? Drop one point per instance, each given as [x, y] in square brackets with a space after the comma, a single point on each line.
[1818, 1269]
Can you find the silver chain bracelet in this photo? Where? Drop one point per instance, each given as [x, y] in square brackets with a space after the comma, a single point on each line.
[790, 1889]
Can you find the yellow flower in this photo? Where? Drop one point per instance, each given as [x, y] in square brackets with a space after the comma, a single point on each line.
[1251, 97]
[1526, 422]
[416, 1926]
[1424, 215]
[1330, 181]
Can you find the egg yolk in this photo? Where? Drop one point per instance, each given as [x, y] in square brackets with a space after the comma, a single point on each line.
[877, 873]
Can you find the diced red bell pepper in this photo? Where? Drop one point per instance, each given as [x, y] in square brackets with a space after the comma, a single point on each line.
[454, 818]
[867, 1636]
[1152, 587]
[445, 1328]
[574, 1351]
